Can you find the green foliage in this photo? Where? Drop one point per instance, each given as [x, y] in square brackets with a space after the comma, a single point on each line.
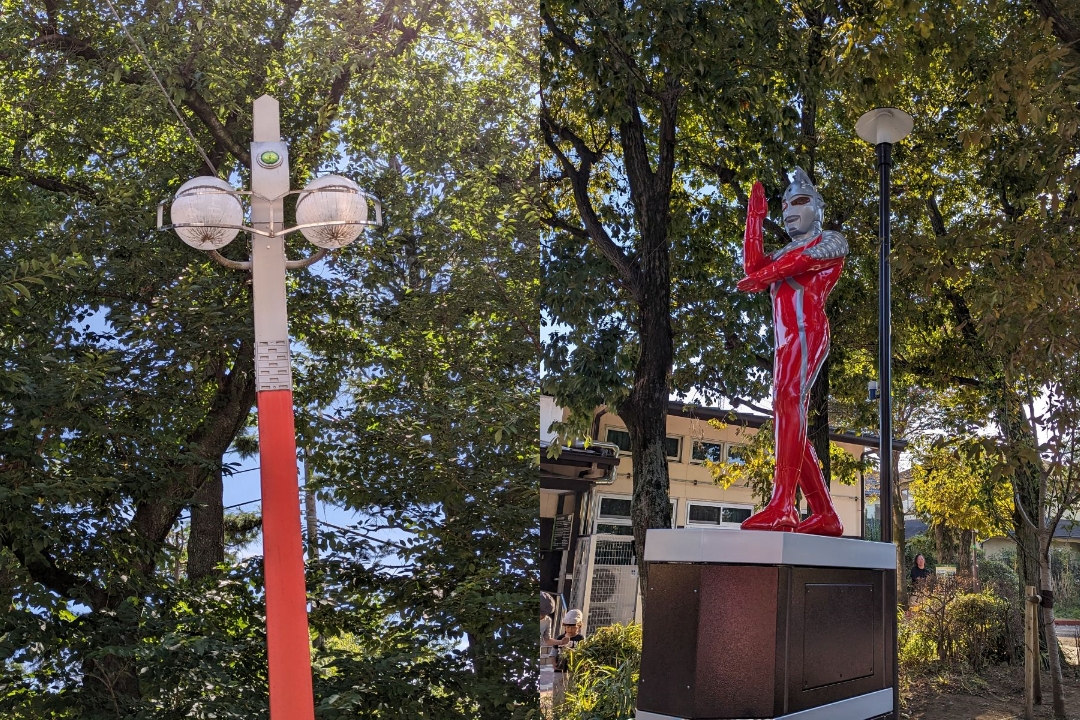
[999, 572]
[1065, 576]
[604, 675]
[956, 489]
[759, 464]
[127, 356]
[948, 625]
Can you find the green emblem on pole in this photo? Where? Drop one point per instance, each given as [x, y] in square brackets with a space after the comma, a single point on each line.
[269, 159]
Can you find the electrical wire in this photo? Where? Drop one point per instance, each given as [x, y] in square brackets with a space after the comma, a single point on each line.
[168, 98]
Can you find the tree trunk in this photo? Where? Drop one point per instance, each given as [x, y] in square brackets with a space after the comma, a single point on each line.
[206, 545]
[963, 554]
[1019, 441]
[645, 413]
[941, 544]
[899, 533]
[817, 428]
[645, 409]
[1046, 615]
[111, 685]
[311, 513]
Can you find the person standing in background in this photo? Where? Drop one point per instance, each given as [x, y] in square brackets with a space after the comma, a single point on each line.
[564, 643]
[919, 572]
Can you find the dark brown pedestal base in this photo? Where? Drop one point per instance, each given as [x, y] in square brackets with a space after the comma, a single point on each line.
[766, 641]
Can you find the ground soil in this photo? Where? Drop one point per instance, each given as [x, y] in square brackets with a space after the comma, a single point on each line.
[996, 694]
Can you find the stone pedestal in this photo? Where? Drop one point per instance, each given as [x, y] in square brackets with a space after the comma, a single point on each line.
[744, 624]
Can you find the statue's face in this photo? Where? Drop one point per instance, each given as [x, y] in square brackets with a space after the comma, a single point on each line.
[800, 214]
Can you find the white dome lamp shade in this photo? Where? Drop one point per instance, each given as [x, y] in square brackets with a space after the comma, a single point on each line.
[334, 209]
[884, 125]
[209, 204]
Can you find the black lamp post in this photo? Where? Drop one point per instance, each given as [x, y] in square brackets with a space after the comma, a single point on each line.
[881, 128]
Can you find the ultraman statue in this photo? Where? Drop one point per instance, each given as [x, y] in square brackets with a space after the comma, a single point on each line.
[799, 277]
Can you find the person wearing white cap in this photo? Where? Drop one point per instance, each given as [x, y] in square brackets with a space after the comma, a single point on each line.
[568, 640]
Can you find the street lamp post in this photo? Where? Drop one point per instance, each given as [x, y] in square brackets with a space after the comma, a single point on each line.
[331, 211]
[882, 127]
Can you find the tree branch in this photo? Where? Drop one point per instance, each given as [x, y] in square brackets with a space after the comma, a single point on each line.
[626, 269]
[60, 581]
[202, 110]
[1067, 32]
[47, 183]
[559, 34]
[1024, 515]
[961, 311]
[208, 442]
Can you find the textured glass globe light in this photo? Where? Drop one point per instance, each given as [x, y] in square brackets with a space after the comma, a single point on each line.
[331, 198]
[206, 201]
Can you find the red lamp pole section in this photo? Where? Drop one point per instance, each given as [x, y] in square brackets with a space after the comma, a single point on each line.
[288, 650]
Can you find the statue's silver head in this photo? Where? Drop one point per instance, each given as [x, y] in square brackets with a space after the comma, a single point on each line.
[804, 209]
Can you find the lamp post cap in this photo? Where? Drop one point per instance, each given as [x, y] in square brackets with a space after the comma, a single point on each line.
[884, 125]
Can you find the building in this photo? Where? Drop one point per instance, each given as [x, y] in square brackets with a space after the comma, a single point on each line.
[567, 485]
[598, 570]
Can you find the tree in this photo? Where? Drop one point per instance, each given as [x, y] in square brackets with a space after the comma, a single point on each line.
[952, 488]
[129, 381]
[650, 143]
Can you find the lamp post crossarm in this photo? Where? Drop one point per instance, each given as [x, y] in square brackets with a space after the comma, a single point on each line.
[274, 230]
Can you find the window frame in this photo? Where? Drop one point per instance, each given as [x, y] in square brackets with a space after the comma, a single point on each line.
[625, 521]
[607, 438]
[719, 443]
[727, 451]
[721, 505]
[678, 456]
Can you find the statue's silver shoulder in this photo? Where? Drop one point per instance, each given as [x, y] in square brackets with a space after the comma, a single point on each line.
[832, 246]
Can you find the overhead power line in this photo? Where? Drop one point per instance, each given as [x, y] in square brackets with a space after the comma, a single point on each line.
[168, 98]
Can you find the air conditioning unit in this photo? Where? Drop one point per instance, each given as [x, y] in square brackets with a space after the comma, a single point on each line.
[612, 596]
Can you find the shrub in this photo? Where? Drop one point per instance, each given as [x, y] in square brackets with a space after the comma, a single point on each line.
[999, 573]
[1065, 574]
[949, 625]
[604, 670]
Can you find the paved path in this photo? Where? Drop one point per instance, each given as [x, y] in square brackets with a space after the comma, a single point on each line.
[547, 677]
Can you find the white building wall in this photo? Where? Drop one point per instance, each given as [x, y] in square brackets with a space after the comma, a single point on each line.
[549, 413]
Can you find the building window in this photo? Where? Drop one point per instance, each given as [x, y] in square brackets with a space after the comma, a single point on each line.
[614, 515]
[716, 514]
[620, 438]
[736, 453]
[713, 452]
[614, 507]
[673, 446]
[603, 528]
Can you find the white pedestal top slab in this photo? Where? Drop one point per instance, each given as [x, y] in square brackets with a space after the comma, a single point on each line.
[757, 547]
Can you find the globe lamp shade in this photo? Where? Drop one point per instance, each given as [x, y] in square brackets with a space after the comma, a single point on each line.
[210, 202]
[331, 199]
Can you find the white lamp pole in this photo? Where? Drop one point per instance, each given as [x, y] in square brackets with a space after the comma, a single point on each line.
[331, 211]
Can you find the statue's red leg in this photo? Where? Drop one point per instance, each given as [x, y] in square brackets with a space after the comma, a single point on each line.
[823, 519]
[780, 513]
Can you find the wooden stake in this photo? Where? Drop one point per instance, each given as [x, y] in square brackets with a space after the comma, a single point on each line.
[1031, 650]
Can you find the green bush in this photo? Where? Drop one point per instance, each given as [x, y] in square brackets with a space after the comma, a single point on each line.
[999, 572]
[604, 670]
[1065, 573]
[947, 625]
